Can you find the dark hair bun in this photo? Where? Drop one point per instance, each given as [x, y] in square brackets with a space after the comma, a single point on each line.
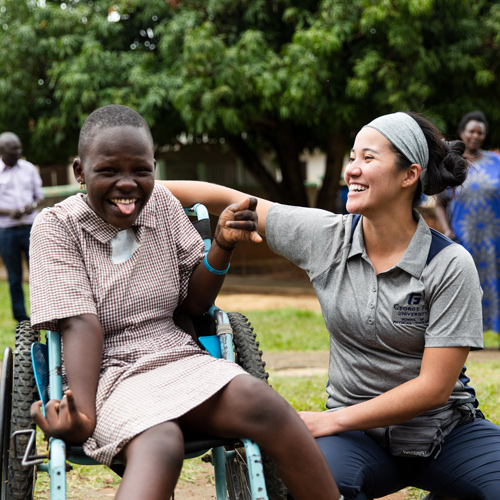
[451, 172]
[454, 147]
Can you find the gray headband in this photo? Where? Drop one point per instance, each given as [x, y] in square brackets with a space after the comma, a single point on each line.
[406, 135]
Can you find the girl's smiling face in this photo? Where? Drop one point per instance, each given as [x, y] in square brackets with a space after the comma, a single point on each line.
[374, 180]
[119, 171]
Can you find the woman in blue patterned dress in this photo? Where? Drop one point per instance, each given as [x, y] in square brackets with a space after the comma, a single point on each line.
[471, 215]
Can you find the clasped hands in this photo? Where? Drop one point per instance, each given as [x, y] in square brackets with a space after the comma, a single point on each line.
[239, 222]
[63, 420]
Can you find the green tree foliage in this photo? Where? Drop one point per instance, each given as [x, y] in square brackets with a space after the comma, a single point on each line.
[272, 77]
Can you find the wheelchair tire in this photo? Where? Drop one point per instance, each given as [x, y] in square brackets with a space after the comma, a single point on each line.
[5, 410]
[21, 480]
[249, 357]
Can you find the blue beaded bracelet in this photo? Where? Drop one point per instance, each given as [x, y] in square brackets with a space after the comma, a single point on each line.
[215, 271]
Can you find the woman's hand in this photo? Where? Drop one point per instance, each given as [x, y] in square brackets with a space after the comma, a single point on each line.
[319, 423]
[238, 222]
[439, 372]
[63, 420]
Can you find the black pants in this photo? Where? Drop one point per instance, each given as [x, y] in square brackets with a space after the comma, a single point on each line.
[14, 242]
[468, 466]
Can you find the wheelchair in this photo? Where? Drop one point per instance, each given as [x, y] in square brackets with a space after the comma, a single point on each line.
[241, 471]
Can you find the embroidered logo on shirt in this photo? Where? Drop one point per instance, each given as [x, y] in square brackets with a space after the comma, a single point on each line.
[414, 298]
[412, 312]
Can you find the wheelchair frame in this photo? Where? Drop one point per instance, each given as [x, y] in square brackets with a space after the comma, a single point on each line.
[47, 367]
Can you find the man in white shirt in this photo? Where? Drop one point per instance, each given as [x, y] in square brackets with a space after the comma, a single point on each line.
[20, 193]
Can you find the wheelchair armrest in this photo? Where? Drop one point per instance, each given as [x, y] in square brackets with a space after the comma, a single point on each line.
[40, 362]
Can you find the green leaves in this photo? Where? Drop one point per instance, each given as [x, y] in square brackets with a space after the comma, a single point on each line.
[283, 74]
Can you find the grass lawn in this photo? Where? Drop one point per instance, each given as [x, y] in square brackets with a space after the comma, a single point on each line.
[277, 330]
[308, 393]
[299, 330]
[7, 323]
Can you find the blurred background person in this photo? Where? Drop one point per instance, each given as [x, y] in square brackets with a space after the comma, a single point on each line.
[471, 214]
[20, 193]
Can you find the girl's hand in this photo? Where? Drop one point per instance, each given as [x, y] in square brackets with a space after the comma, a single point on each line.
[238, 222]
[63, 420]
[319, 423]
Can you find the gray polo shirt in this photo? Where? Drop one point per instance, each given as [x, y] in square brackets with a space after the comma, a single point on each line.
[379, 324]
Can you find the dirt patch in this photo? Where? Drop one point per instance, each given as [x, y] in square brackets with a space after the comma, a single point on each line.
[262, 302]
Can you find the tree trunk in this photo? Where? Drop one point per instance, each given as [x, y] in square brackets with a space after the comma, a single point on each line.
[288, 150]
[256, 168]
[291, 190]
[335, 151]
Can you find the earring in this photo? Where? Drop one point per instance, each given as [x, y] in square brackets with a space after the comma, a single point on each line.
[83, 187]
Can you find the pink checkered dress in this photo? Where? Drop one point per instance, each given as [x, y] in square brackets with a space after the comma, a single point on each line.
[151, 370]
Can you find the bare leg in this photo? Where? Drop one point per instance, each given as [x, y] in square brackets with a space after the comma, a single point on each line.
[153, 463]
[247, 407]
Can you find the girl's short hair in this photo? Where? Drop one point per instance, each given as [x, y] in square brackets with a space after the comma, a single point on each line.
[113, 115]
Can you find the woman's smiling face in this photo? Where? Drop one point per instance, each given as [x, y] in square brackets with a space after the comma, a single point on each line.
[473, 135]
[372, 176]
[119, 171]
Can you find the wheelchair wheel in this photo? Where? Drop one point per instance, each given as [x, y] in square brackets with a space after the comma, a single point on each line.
[5, 409]
[237, 481]
[249, 357]
[21, 480]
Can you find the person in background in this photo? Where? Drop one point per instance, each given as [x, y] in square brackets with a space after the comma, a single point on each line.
[20, 193]
[402, 304]
[471, 214]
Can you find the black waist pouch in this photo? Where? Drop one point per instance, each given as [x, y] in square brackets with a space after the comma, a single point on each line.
[422, 436]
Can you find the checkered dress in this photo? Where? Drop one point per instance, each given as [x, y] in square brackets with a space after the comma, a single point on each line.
[151, 370]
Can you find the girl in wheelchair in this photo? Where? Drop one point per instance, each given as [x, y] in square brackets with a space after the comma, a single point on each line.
[109, 269]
